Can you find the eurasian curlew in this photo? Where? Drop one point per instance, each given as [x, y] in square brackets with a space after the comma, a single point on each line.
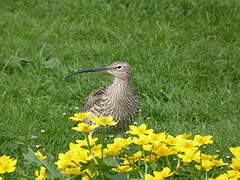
[117, 100]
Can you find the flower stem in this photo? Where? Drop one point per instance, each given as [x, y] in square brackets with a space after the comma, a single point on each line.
[89, 146]
[145, 163]
[168, 162]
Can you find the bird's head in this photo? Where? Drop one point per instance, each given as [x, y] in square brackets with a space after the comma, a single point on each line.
[119, 69]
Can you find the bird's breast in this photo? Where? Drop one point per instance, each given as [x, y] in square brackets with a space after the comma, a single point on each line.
[122, 106]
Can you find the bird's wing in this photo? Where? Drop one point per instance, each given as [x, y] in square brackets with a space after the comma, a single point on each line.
[94, 99]
[136, 104]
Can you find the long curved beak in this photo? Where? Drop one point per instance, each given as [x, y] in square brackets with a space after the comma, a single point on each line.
[104, 69]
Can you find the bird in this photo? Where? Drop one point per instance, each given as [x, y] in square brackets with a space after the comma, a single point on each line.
[118, 99]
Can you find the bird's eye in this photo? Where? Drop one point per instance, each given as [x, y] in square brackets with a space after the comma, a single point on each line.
[119, 67]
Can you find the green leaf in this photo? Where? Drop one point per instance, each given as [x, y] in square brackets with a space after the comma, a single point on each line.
[116, 176]
[153, 165]
[111, 161]
[53, 172]
[51, 63]
[20, 140]
[30, 157]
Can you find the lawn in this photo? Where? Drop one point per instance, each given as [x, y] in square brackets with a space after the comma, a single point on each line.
[184, 55]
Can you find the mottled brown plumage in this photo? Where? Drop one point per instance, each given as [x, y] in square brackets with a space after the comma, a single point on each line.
[117, 100]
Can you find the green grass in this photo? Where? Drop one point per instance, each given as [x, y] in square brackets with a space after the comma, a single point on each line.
[184, 54]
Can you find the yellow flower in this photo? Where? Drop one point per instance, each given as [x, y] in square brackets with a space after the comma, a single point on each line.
[122, 141]
[116, 147]
[235, 151]
[150, 147]
[220, 177]
[156, 138]
[64, 160]
[141, 140]
[150, 158]
[123, 169]
[141, 130]
[67, 165]
[7, 164]
[184, 144]
[150, 177]
[84, 142]
[233, 174]
[235, 165]
[112, 149]
[183, 136]
[85, 177]
[79, 154]
[190, 155]
[41, 174]
[159, 175]
[208, 156]
[97, 151]
[135, 156]
[126, 161]
[160, 150]
[72, 171]
[84, 127]
[104, 121]
[230, 175]
[207, 162]
[170, 140]
[40, 155]
[164, 150]
[81, 116]
[219, 162]
[200, 140]
[73, 157]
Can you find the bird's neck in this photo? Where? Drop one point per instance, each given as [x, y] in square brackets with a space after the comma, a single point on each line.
[121, 86]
